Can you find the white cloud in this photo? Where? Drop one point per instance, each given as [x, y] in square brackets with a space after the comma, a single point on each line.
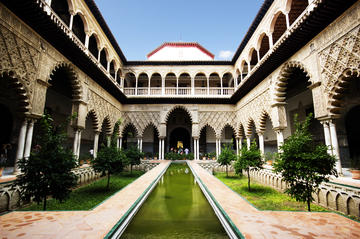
[226, 55]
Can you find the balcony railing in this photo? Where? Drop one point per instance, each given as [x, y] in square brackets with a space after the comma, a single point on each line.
[179, 91]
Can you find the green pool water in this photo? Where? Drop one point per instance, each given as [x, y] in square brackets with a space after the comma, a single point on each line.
[176, 209]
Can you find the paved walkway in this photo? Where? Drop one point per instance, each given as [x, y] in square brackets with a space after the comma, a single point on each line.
[253, 223]
[77, 224]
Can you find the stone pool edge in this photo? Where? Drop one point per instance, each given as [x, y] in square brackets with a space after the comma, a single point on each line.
[117, 230]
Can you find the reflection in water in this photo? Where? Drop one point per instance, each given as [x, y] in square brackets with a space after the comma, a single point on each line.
[176, 209]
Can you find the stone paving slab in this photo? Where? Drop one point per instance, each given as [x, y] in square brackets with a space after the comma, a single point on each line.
[94, 223]
[254, 223]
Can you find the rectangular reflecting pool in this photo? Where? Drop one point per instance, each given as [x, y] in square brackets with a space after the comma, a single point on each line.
[176, 208]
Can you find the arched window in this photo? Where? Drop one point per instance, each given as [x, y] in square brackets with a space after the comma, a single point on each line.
[93, 46]
[103, 58]
[78, 28]
[61, 8]
[279, 26]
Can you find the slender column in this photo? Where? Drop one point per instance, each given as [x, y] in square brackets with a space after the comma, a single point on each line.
[261, 143]
[163, 85]
[138, 143]
[192, 86]
[248, 141]
[149, 85]
[240, 143]
[21, 144]
[136, 85]
[29, 137]
[221, 86]
[78, 144]
[237, 145]
[163, 149]
[258, 55]
[76, 136]
[249, 68]
[335, 145]
[96, 143]
[108, 66]
[327, 136]
[71, 21]
[219, 146]
[99, 56]
[108, 140]
[120, 143]
[177, 85]
[87, 37]
[208, 85]
[160, 149]
[195, 156]
[280, 137]
[287, 21]
[197, 149]
[271, 41]
[141, 141]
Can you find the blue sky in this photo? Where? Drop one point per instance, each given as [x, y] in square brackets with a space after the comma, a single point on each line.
[141, 26]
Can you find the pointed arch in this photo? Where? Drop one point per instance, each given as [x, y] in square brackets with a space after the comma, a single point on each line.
[249, 127]
[150, 124]
[339, 89]
[278, 26]
[262, 122]
[106, 125]
[73, 77]
[130, 125]
[94, 45]
[263, 45]
[178, 107]
[14, 82]
[95, 120]
[284, 76]
[228, 125]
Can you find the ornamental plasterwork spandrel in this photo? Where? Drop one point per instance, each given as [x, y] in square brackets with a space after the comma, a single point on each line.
[141, 119]
[339, 56]
[217, 120]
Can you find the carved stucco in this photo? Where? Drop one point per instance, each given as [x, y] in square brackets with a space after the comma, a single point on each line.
[217, 120]
[19, 60]
[141, 120]
[335, 60]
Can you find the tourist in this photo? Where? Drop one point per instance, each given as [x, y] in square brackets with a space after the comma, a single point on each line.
[186, 151]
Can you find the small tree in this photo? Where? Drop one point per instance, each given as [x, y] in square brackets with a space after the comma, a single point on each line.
[227, 155]
[110, 159]
[133, 155]
[303, 164]
[48, 170]
[249, 159]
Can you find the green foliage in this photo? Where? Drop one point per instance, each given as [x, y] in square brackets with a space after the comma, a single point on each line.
[303, 164]
[211, 155]
[47, 172]
[189, 156]
[249, 159]
[227, 155]
[173, 156]
[133, 156]
[263, 197]
[89, 196]
[109, 160]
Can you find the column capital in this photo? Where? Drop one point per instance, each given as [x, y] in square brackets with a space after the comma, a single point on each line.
[196, 137]
[278, 129]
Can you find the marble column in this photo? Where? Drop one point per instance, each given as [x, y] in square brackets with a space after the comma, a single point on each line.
[21, 144]
[96, 143]
[78, 144]
[160, 148]
[195, 149]
[29, 137]
[261, 143]
[108, 140]
[120, 143]
[248, 142]
[327, 136]
[335, 145]
[279, 137]
[76, 136]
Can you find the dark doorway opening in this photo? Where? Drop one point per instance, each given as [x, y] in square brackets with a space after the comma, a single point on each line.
[182, 135]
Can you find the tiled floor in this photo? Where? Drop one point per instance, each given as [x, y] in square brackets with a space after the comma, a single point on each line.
[77, 224]
[253, 223]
